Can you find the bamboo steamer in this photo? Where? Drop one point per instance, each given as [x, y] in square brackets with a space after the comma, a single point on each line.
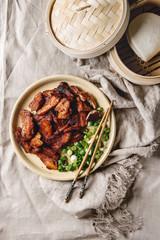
[86, 28]
[124, 60]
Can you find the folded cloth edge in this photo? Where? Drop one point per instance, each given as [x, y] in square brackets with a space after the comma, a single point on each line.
[112, 219]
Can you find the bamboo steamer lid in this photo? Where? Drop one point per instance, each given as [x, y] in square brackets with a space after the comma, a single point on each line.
[86, 28]
[124, 60]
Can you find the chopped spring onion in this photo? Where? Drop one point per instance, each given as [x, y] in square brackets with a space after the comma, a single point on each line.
[90, 140]
[68, 147]
[86, 146]
[60, 162]
[100, 144]
[82, 152]
[95, 129]
[69, 167]
[76, 152]
[73, 158]
[86, 138]
[106, 130]
[73, 148]
[75, 164]
[69, 152]
[63, 158]
[61, 168]
[105, 137]
[64, 150]
[99, 152]
[96, 124]
[90, 123]
[97, 156]
[83, 143]
[99, 109]
[88, 134]
[80, 149]
[77, 144]
[90, 152]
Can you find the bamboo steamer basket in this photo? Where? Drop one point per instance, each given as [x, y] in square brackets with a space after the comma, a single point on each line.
[86, 28]
[126, 63]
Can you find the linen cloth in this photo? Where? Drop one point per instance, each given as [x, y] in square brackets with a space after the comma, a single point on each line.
[27, 55]
[137, 135]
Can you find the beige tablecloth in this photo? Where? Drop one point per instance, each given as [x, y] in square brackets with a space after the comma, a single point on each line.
[26, 212]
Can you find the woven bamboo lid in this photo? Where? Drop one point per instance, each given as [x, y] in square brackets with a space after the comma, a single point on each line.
[86, 28]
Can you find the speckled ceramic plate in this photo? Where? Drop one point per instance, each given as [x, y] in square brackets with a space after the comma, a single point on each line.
[32, 161]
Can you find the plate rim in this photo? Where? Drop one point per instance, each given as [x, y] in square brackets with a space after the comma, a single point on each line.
[15, 145]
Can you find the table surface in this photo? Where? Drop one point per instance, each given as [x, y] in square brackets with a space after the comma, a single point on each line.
[26, 212]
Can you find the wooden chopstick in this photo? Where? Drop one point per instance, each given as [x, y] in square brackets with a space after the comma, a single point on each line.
[85, 157]
[94, 153]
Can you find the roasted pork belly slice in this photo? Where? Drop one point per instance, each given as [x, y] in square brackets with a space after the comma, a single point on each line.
[72, 128]
[46, 93]
[61, 129]
[61, 141]
[74, 120]
[25, 144]
[27, 124]
[49, 141]
[64, 88]
[49, 152]
[93, 116]
[78, 119]
[82, 119]
[62, 122]
[78, 92]
[45, 126]
[18, 135]
[63, 108]
[51, 101]
[84, 96]
[91, 100]
[38, 118]
[54, 117]
[37, 102]
[76, 136]
[36, 141]
[82, 106]
[50, 162]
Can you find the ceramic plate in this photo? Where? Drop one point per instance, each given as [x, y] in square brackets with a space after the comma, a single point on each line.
[32, 161]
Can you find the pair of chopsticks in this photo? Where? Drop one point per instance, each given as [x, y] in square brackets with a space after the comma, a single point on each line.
[103, 121]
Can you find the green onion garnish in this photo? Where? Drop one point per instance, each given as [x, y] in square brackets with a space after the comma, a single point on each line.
[64, 150]
[99, 109]
[69, 152]
[88, 134]
[90, 123]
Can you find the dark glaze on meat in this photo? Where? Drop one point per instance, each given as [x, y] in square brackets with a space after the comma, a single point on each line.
[61, 116]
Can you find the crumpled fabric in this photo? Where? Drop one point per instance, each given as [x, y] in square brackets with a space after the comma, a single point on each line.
[137, 136]
[27, 206]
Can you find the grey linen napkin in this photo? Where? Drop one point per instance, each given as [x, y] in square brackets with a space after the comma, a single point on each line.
[138, 120]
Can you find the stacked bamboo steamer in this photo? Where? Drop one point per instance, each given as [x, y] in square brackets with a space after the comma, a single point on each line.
[89, 28]
[124, 60]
